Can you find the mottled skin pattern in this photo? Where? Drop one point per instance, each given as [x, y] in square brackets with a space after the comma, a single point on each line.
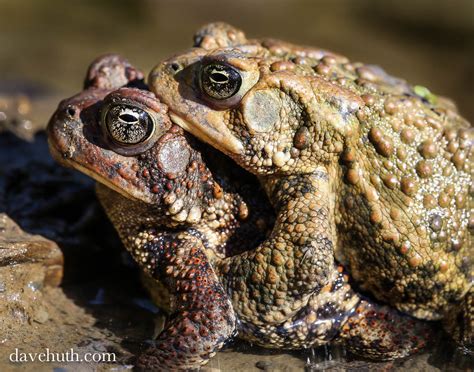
[173, 216]
[356, 163]
[178, 250]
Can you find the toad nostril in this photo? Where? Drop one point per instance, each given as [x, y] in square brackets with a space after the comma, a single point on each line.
[175, 66]
[71, 111]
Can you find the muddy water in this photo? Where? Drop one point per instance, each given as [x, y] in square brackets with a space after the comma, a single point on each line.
[46, 46]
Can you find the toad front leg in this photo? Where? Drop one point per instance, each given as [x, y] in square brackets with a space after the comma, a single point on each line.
[271, 283]
[202, 317]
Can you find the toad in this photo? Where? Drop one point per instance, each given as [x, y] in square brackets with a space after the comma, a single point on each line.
[180, 209]
[172, 214]
[362, 168]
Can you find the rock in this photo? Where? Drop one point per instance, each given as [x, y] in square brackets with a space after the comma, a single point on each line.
[34, 252]
[263, 364]
[28, 264]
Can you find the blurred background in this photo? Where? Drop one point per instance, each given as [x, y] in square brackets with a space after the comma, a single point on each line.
[47, 45]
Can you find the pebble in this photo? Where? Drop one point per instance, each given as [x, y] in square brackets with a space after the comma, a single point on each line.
[263, 364]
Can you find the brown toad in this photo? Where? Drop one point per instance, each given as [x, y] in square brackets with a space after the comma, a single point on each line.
[172, 213]
[360, 166]
[179, 218]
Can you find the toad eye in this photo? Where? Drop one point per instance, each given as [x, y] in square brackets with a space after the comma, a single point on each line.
[128, 125]
[219, 81]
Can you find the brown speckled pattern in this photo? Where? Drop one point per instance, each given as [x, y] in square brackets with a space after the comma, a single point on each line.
[173, 216]
[197, 223]
[201, 318]
[397, 159]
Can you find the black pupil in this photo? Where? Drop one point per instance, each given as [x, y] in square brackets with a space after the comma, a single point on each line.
[128, 125]
[128, 118]
[220, 81]
[219, 77]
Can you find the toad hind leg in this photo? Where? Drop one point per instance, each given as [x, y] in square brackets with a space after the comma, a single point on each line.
[202, 317]
[380, 332]
[338, 314]
[271, 283]
[314, 325]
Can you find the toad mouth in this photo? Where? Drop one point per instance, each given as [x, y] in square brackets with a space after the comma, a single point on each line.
[220, 138]
[59, 157]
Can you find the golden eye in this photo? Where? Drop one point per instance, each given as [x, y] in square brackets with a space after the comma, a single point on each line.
[220, 81]
[128, 125]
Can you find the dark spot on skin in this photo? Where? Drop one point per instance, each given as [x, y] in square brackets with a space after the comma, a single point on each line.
[436, 222]
[424, 169]
[381, 143]
[386, 284]
[327, 311]
[175, 66]
[428, 149]
[301, 139]
[456, 244]
[413, 288]
[407, 136]
[71, 111]
[466, 265]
